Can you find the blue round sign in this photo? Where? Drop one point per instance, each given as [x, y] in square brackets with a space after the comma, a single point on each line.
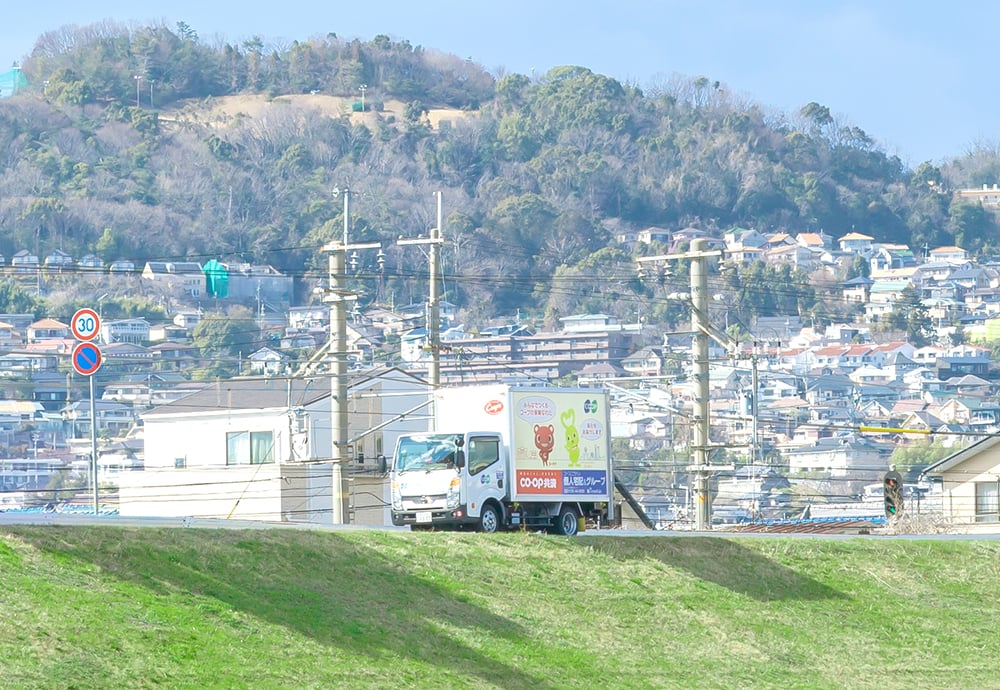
[86, 358]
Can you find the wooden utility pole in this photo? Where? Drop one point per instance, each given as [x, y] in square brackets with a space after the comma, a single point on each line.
[700, 329]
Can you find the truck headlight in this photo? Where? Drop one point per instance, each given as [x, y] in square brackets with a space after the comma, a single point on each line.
[453, 496]
[397, 497]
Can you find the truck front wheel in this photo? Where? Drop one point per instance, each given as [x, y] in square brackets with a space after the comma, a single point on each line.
[567, 524]
[489, 519]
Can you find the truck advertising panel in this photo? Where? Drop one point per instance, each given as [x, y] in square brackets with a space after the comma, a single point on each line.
[560, 444]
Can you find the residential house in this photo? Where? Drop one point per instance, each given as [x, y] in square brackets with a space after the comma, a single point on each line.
[9, 336]
[311, 316]
[267, 362]
[53, 390]
[986, 196]
[891, 256]
[856, 243]
[58, 260]
[260, 448]
[135, 331]
[921, 420]
[948, 367]
[857, 289]
[774, 385]
[980, 415]
[795, 255]
[829, 387]
[647, 361]
[187, 318]
[778, 240]
[974, 277]
[113, 418]
[816, 241]
[180, 280]
[843, 456]
[24, 261]
[122, 266]
[48, 329]
[682, 238]
[653, 234]
[599, 371]
[928, 355]
[168, 332]
[737, 239]
[259, 283]
[24, 364]
[139, 390]
[898, 365]
[869, 374]
[173, 355]
[969, 386]
[90, 262]
[970, 484]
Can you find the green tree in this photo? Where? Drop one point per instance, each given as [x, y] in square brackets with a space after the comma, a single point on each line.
[911, 316]
[15, 300]
[228, 337]
[915, 457]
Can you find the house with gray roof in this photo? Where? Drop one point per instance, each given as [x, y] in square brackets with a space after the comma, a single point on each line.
[260, 448]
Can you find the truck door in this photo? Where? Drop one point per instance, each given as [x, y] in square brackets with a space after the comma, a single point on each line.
[485, 472]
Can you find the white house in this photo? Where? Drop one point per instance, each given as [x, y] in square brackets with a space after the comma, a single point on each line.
[261, 448]
[267, 362]
[135, 331]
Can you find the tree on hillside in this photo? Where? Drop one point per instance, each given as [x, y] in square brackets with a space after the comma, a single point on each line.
[16, 300]
[225, 340]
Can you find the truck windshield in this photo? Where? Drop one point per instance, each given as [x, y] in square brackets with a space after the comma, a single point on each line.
[426, 452]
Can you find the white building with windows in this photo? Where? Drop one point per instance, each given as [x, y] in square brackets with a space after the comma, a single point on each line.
[260, 449]
[970, 484]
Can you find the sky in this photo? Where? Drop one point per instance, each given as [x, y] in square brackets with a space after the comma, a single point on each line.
[911, 73]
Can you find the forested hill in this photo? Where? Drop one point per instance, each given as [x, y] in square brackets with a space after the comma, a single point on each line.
[111, 150]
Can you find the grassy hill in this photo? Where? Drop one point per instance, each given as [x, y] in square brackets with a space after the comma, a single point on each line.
[119, 607]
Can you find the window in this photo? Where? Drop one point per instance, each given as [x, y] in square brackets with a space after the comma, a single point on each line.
[483, 452]
[249, 447]
[987, 505]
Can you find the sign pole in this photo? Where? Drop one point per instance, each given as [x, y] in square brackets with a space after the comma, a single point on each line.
[93, 444]
[86, 360]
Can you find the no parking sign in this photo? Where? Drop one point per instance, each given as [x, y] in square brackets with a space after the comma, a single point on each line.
[86, 359]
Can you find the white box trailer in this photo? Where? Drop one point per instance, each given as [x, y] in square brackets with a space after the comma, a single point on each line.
[504, 457]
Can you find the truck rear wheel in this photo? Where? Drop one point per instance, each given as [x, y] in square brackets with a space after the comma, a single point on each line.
[489, 519]
[567, 524]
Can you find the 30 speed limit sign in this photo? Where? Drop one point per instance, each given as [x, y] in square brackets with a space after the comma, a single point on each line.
[86, 324]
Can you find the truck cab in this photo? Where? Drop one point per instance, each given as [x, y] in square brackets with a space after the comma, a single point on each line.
[448, 479]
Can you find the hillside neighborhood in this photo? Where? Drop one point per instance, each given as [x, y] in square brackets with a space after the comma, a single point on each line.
[831, 405]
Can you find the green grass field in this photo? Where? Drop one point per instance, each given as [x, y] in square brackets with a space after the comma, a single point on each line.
[106, 607]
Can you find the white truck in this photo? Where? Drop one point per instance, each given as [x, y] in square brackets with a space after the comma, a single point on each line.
[505, 457]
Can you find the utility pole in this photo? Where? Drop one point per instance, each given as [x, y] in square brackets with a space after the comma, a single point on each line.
[434, 302]
[434, 298]
[337, 296]
[700, 330]
[699, 362]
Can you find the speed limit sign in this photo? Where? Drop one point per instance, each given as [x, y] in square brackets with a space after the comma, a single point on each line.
[86, 324]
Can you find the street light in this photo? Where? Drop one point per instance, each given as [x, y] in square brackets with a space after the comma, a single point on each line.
[137, 78]
[362, 88]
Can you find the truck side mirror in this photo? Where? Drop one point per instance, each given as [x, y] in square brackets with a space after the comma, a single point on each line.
[460, 458]
[380, 461]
